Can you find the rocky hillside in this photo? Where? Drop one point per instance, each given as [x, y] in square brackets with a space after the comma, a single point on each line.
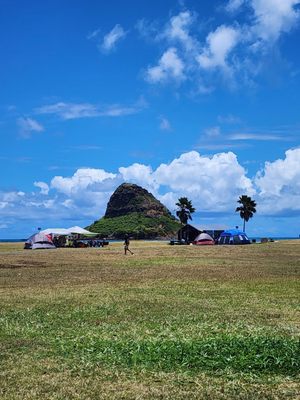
[133, 210]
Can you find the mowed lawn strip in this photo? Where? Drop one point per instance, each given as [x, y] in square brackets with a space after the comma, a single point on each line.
[168, 322]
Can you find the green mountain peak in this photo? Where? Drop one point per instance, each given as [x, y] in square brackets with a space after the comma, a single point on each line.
[134, 211]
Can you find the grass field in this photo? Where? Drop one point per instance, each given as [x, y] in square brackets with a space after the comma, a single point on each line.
[170, 322]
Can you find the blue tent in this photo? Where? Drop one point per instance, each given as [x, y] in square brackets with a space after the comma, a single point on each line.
[233, 236]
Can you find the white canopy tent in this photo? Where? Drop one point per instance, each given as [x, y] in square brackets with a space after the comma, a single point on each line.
[56, 231]
[80, 231]
[52, 237]
[74, 230]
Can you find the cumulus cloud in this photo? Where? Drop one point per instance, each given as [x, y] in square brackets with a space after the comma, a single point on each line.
[219, 45]
[273, 17]
[279, 184]
[83, 179]
[237, 49]
[207, 180]
[43, 186]
[139, 174]
[282, 175]
[29, 125]
[170, 66]
[10, 198]
[178, 29]
[213, 183]
[110, 39]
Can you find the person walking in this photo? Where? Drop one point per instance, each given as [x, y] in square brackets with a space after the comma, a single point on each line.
[126, 245]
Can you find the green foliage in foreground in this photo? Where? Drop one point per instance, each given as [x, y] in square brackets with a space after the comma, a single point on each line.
[86, 333]
[266, 355]
[172, 323]
[137, 226]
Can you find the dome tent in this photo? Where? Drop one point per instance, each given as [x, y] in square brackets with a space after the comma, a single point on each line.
[39, 241]
[233, 236]
[204, 239]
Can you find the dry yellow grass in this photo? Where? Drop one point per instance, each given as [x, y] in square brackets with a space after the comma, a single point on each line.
[60, 307]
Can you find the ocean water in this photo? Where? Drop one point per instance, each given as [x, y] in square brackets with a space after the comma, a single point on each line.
[12, 240]
[273, 237]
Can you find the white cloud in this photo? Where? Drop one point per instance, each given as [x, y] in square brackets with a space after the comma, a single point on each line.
[110, 39]
[279, 185]
[238, 49]
[213, 132]
[233, 5]
[68, 204]
[83, 179]
[220, 44]
[170, 66]
[9, 199]
[43, 186]
[255, 136]
[12, 196]
[93, 34]
[281, 176]
[218, 146]
[212, 183]
[139, 174]
[147, 30]
[178, 29]
[117, 110]
[29, 125]
[164, 124]
[273, 17]
[68, 111]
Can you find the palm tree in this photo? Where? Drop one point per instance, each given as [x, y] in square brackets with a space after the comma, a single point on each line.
[247, 208]
[185, 210]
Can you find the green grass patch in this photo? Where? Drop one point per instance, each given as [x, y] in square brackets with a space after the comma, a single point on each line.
[170, 322]
[276, 355]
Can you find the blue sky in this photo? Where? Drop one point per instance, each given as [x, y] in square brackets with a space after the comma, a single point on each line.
[185, 98]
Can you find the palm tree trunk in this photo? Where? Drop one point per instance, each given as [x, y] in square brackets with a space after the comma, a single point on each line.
[244, 225]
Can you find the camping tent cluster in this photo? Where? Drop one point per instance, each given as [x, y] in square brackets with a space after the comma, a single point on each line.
[50, 238]
[188, 234]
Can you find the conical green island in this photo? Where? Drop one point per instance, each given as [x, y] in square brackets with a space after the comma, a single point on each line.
[134, 211]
